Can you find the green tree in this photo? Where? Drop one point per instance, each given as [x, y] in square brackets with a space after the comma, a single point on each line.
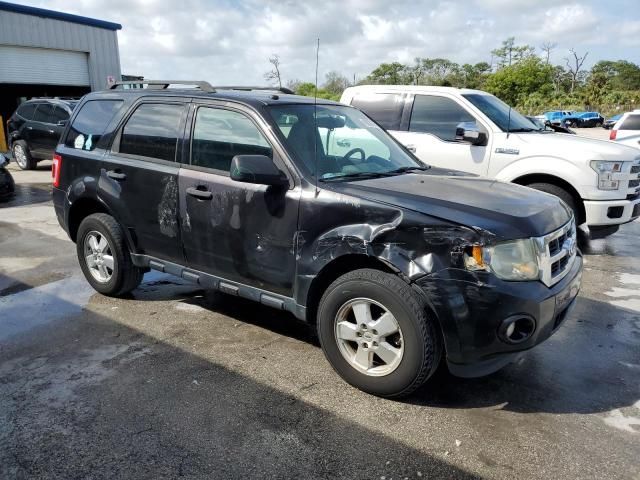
[388, 74]
[515, 83]
[335, 83]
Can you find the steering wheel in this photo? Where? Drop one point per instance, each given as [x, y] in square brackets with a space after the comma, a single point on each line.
[355, 150]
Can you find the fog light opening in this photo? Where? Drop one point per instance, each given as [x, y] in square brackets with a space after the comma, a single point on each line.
[516, 329]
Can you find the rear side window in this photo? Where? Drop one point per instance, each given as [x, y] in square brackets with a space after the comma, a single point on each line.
[44, 113]
[90, 124]
[632, 122]
[219, 135]
[437, 115]
[384, 108]
[60, 114]
[152, 131]
[26, 110]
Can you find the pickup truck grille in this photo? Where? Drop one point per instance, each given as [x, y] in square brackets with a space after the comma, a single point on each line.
[556, 253]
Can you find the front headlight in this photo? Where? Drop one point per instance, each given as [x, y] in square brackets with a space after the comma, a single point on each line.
[512, 260]
[605, 171]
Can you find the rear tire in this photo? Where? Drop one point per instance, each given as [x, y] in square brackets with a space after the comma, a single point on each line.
[401, 346]
[562, 194]
[104, 256]
[22, 156]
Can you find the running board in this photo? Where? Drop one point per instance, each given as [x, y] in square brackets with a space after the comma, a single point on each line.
[212, 282]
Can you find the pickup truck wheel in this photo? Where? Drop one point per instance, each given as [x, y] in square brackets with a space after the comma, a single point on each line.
[104, 256]
[22, 156]
[561, 193]
[375, 331]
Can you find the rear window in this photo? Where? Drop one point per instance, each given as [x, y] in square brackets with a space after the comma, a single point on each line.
[90, 123]
[384, 108]
[26, 110]
[152, 131]
[632, 122]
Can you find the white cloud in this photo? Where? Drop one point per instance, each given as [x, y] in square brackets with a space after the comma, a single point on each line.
[229, 41]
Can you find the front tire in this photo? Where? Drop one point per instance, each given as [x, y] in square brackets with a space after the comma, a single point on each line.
[22, 155]
[376, 333]
[104, 256]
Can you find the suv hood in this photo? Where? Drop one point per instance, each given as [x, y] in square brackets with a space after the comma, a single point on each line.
[572, 146]
[507, 210]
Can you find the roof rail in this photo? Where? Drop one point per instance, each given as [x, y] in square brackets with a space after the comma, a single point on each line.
[164, 84]
[245, 88]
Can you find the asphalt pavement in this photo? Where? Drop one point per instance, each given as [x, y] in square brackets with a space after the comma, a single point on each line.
[176, 382]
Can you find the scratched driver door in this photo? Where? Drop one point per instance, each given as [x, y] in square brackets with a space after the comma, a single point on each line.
[238, 231]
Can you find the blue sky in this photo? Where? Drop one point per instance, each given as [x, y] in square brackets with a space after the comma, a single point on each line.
[227, 41]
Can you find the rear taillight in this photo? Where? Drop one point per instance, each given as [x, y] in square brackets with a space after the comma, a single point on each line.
[612, 134]
[55, 170]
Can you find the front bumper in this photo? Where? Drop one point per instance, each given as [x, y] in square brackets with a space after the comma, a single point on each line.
[611, 212]
[471, 309]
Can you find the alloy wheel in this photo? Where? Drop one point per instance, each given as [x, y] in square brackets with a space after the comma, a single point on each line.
[369, 337]
[20, 155]
[99, 257]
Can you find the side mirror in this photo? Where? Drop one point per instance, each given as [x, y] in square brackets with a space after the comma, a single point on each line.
[547, 123]
[258, 169]
[468, 132]
[4, 161]
[63, 123]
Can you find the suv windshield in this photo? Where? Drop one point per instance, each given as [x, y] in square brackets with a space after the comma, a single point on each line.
[347, 142]
[498, 112]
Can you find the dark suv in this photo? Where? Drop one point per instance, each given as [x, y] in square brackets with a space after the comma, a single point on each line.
[397, 264]
[35, 128]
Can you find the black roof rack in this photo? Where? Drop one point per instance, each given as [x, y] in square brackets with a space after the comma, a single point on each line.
[199, 84]
[248, 89]
[56, 98]
[164, 84]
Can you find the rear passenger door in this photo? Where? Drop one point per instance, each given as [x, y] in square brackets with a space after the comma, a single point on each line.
[238, 231]
[139, 176]
[432, 131]
[41, 129]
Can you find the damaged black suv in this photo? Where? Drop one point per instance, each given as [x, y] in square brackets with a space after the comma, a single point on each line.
[314, 209]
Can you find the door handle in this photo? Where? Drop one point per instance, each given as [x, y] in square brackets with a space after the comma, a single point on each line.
[51, 131]
[116, 175]
[343, 143]
[29, 128]
[411, 148]
[198, 193]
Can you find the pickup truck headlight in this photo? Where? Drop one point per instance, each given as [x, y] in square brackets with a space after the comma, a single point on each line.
[605, 171]
[512, 260]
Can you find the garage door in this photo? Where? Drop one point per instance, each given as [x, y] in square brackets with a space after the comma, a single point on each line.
[43, 66]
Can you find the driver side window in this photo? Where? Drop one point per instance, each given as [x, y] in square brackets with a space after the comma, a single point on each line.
[437, 115]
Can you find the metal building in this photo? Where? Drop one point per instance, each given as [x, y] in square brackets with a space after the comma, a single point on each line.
[49, 53]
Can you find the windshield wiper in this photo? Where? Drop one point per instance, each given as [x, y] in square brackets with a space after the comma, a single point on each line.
[521, 130]
[355, 175]
[410, 169]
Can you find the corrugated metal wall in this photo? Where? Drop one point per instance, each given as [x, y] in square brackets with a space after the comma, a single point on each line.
[100, 44]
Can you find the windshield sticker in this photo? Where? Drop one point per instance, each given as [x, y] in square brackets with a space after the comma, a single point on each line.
[508, 151]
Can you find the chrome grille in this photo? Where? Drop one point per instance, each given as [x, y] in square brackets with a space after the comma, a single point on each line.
[556, 253]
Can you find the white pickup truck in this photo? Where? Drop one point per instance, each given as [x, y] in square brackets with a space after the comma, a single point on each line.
[473, 131]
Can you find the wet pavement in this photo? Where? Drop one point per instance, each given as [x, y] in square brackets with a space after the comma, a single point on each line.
[178, 382]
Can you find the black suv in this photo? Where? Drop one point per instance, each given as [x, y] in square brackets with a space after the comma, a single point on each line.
[397, 264]
[35, 128]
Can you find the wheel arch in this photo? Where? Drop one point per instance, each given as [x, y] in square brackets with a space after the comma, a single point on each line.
[334, 269]
[528, 179]
[79, 210]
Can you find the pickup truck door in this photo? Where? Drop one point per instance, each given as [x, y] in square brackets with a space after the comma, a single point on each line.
[431, 131]
[241, 232]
